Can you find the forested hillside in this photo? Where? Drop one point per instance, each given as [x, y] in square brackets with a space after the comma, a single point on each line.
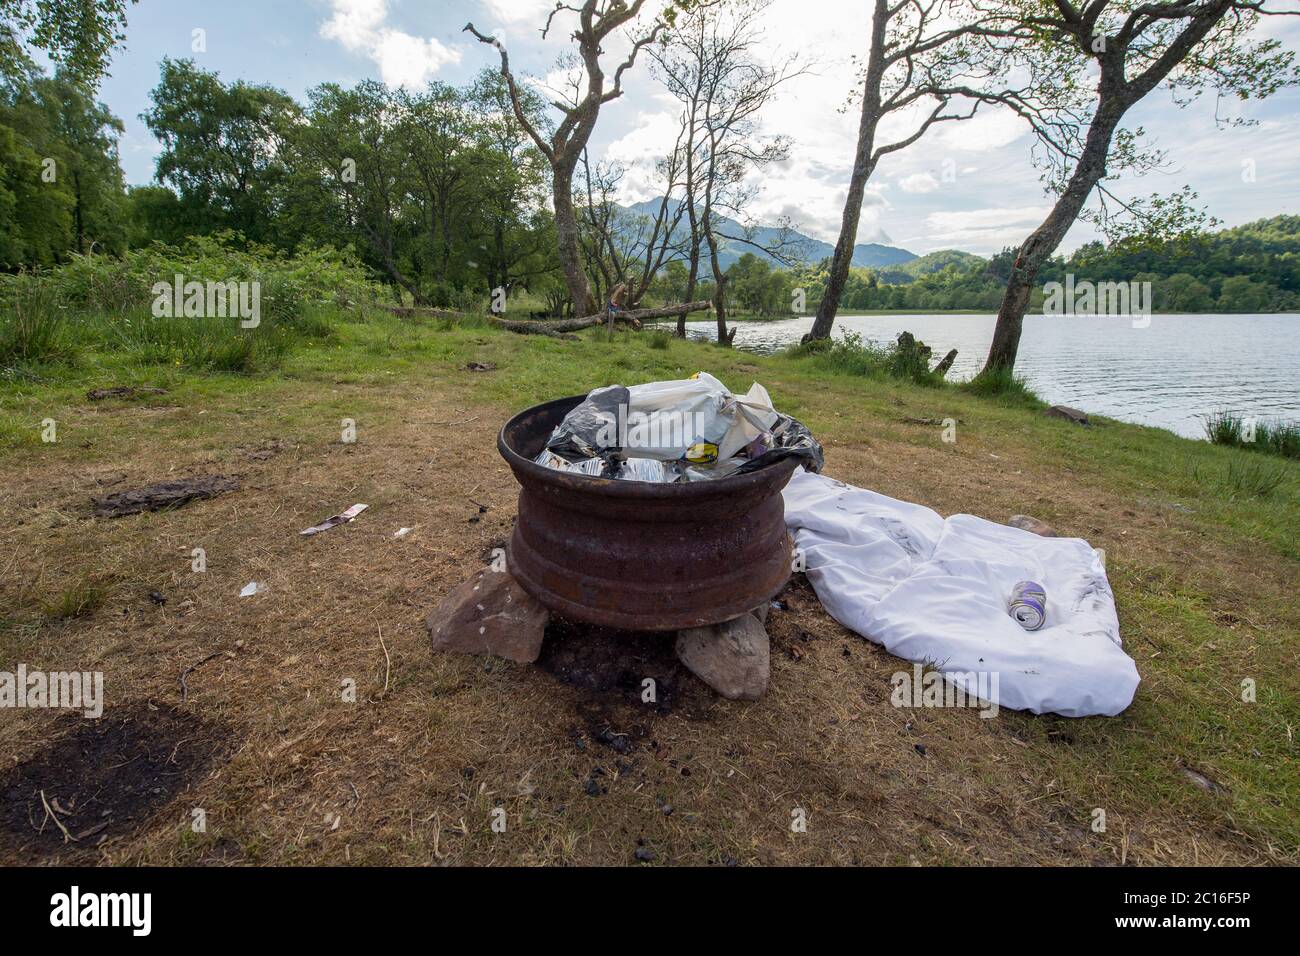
[1249, 268]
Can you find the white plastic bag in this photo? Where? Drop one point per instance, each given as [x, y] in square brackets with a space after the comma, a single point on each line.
[697, 420]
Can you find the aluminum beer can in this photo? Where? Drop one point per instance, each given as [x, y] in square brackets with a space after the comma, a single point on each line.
[1029, 605]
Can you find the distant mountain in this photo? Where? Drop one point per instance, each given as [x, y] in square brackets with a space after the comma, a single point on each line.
[870, 255]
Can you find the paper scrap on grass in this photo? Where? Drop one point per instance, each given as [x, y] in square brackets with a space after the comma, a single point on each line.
[334, 521]
[251, 588]
[403, 532]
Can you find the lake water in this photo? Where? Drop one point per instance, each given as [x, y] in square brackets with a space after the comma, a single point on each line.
[1170, 374]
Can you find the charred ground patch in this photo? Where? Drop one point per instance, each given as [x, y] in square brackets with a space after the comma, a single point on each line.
[612, 666]
[101, 780]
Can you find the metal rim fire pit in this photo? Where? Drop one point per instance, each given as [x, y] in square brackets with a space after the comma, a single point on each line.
[637, 555]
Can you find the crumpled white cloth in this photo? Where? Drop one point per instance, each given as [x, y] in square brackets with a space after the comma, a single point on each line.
[936, 591]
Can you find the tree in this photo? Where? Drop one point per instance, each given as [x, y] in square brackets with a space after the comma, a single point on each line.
[222, 147]
[1184, 293]
[757, 287]
[598, 22]
[35, 216]
[1092, 62]
[439, 133]
[60, 181]
[351, 148]
[87, 134]
[516, 235]
[709, 65]
[77, 35]
[922, 56]
[622, 246]
[1243, 294]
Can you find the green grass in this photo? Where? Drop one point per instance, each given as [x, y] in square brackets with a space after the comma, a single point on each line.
[34, 328]
[1246, 478]
[1003, 385]
[82, 598]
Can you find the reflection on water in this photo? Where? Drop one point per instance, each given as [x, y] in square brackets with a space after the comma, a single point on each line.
[1170, 374]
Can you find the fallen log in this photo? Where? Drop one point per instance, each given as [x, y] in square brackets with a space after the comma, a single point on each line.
[560, 327]
[164, 494]
[420, 311]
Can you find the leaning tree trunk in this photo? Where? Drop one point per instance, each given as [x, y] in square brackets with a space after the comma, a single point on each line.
[566, 230]
[863, 165]
[692, 282]
[719, 286]
[1042, 242]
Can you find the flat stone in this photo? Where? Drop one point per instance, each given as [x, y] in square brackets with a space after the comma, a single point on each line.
[1028, 523]
[1068, 413]
[762, 611]
[733, 658]
[489, 614]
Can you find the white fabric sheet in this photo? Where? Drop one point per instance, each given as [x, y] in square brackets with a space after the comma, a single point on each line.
[936, 591]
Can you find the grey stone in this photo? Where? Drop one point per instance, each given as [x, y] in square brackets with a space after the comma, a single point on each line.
[489, 614]
[1028, 523]
[1068, 413]
[733, 658]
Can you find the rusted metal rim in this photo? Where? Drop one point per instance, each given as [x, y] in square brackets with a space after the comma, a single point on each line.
[554, 412]
[640, 555]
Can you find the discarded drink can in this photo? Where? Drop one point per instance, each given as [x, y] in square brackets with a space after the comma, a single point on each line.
[1029, 605]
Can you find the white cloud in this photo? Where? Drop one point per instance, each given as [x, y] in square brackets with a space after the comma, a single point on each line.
[919, 183]
[984, 228]
[520, 11]
[403, 59]
[639, 150]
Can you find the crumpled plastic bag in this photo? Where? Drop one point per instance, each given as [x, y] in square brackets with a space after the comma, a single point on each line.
[585, 431]
[694, 429]
[789, 439]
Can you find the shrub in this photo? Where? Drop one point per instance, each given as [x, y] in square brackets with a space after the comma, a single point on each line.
[1270, 437]
[289, 283]
[852, 355]
[33, 327]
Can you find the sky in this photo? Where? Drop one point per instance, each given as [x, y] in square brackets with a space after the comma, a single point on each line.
[990, 199]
